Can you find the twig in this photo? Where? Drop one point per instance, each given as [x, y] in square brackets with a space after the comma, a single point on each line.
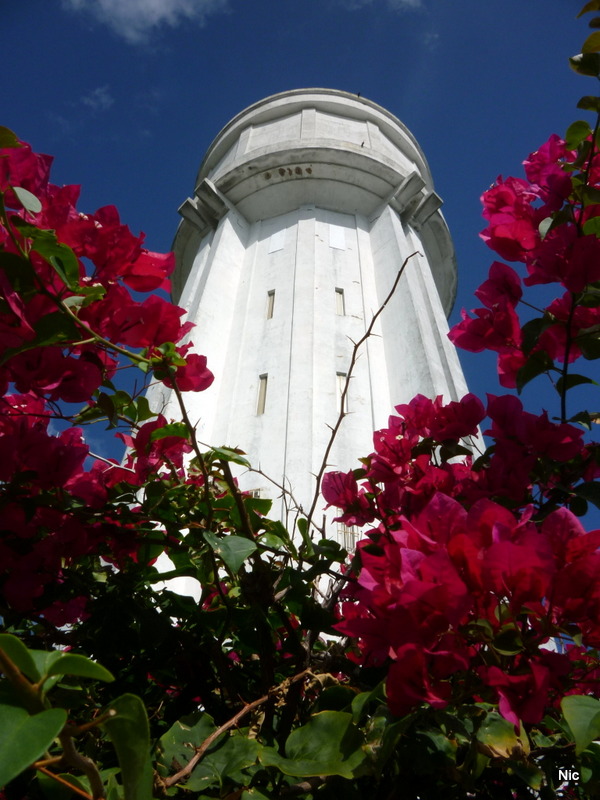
[342, 414]
[200, 751]
[239, 501]
[86, 765]
[28, 691]
[63, 782]
[194, 441]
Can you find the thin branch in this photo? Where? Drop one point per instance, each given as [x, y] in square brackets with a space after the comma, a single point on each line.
[239, 501]
[565, 367]
[86, 765]
[353, 358]
[200, 751]
[63, 782]
[285, 493]
[25, 689]
[109, 462]
[194, 441]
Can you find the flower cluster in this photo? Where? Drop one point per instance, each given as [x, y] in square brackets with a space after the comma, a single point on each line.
[547, 222]
[451, 581]
[66, 285]
[67, 317]
[474, 569]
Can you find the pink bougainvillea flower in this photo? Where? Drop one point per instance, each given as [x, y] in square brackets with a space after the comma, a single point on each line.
[150, 323]
[193, 376]
[523, 696]
[535, 434]
[150, 271]
[497, 329]
[453, 420]
[20, 166]
[565, 257]
[503, 285]
[66, 612]
[544, 169]
[409, 682]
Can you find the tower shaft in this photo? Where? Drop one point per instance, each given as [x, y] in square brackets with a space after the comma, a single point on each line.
[306, 206]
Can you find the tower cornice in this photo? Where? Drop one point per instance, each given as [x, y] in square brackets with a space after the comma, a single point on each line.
[321, 147]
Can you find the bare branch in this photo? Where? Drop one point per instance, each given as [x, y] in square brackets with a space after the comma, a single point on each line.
[200, 751]
[353, 359]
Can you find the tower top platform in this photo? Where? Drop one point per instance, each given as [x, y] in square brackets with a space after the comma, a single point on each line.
[322, 147]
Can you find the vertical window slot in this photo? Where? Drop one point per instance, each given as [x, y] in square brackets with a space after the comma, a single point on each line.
[341, 385]
[262, 394]
[270, 303]
[340, 303]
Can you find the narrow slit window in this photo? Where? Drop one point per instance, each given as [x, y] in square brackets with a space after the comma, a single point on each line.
[340, 303]
[347, 535]
[337, 237]
[262, 394]
[341, 385]
[270, 303]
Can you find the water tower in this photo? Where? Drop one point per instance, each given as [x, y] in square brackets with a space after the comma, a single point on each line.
[304, 209]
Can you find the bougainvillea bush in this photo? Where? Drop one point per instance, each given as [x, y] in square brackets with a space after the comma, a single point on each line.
[455, 654]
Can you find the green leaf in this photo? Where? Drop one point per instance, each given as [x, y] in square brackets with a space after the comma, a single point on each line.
[589, 102]
[53, 328]
[592, 5]
[566, 382]
[532, 331]
[578, 506]
[229, 454]
[589, 344]
[592, 43]
[582, 714]
[499, 737]
[178, 429]
[590, 491]
[21, 656]
[592, 227]
[20, 273]
[142, 409]
[586, 64]
[178, 745]
[52, 790]
[24, 738]
[586, 418]
[130, 734]
[528, 773]
[590, 195]
[576, 133]
[302, 524]
[508, 642]
[28, 200]
[225, 762]
[232, 550]
[61, 663]
[329, 744]
[8, 138]
[37, 665]
[59, 255]
[537, 363]
[544, 226]
[74, 301]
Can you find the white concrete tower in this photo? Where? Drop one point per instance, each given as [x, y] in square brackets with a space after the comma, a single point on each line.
[305, 207]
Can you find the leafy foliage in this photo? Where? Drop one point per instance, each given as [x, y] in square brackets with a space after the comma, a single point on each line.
[453, 654]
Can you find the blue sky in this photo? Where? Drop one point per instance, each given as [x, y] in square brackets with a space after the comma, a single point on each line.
[128, 94]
